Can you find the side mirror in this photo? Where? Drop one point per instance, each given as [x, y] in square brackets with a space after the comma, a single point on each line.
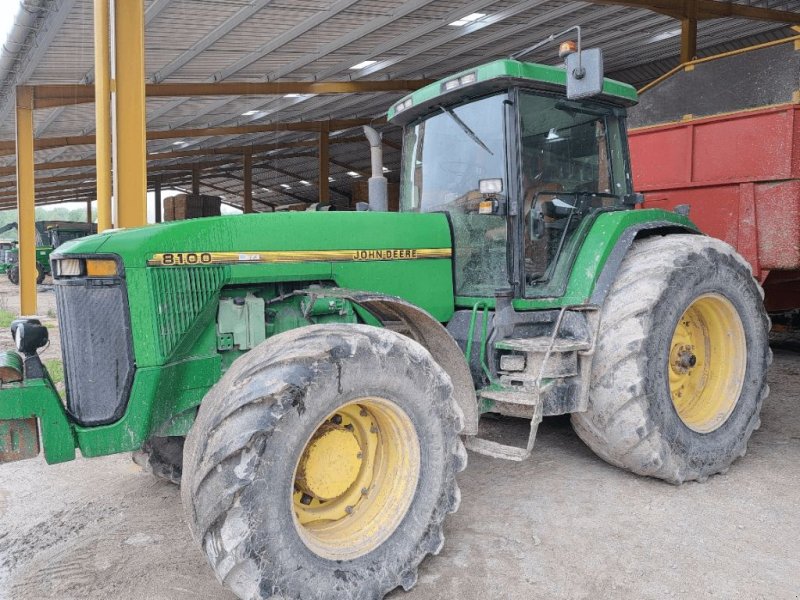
[584, 73]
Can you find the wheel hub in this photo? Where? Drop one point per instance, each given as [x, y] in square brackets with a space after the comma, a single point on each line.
[330, 464]
[356, 478]
[707, 363]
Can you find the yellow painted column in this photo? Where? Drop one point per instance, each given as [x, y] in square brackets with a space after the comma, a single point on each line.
[102, 99]
[26, 194]
[129, 135]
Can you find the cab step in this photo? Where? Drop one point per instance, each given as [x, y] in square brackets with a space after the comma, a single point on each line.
[496, 449]
[543, 344]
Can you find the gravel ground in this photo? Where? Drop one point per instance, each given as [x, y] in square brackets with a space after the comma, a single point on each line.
[563, 524]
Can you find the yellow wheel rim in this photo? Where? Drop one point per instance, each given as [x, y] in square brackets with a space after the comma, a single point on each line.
[707, 363]
[356, 478]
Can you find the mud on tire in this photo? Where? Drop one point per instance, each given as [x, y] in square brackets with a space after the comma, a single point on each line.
[242, 452]
[631, 420]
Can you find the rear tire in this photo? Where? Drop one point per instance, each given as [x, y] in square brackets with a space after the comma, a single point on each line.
[679, 371]
[272, 427]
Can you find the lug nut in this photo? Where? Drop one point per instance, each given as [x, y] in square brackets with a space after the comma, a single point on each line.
[348, 510]
[336, 419]
[364, 491]
[363, 412]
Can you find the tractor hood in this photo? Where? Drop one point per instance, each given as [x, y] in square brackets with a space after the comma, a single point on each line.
[403, 254]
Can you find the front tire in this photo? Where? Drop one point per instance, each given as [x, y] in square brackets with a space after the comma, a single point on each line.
[323, 463]
[13, 274]
[679, 371]
[162, 457]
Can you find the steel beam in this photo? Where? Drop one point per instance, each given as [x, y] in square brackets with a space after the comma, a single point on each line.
[102, 91]
[710, 9]
[7, 146]
[210, 38]
[65, 94]
[26, 194]
[129, 135]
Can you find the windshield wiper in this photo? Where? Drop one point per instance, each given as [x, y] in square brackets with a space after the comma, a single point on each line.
[465, 128]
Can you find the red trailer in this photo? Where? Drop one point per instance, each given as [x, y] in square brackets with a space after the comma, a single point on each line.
[722, 135]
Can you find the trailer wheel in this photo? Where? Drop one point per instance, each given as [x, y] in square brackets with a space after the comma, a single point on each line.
[162, 457]
[323, 463]
[680, 366]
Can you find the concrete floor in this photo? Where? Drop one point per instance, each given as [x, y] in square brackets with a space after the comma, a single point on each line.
[564, 524]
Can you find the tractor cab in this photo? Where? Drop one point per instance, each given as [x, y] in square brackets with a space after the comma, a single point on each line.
[521, 170]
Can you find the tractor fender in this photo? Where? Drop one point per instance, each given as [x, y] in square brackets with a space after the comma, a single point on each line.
[609, 273]
[412, 321]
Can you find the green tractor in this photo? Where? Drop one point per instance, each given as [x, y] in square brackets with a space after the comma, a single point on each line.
[311, 378]
[49, 236]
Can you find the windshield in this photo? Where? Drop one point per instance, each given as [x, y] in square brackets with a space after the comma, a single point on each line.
[445, 158]
[60, 236]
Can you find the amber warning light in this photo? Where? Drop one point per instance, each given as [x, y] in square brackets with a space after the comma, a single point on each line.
[567, 48]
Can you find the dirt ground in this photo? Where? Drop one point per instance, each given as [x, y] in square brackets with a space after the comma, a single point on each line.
[564, 524]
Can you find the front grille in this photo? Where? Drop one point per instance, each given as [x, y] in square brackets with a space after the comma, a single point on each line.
[181, 294]
[96, 347]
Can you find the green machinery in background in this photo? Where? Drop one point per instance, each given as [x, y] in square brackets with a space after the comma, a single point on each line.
[49, 236]
[311, 378]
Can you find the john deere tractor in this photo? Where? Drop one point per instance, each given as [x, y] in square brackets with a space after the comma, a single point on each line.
[49, 236]
[312, 378]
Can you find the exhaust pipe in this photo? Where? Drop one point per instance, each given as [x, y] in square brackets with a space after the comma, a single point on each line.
[378, 187]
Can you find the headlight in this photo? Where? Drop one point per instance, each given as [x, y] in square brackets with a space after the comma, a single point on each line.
[69, 267]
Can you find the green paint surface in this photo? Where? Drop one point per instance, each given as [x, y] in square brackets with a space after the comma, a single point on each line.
[522, 72]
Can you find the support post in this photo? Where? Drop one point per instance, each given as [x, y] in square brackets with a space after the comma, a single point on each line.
[324, 170]
[129, 136]
[247, 200]
[26, 194]
[89, 210]
[196, 180]
[688, 39]
[157, 189]
[102, 98]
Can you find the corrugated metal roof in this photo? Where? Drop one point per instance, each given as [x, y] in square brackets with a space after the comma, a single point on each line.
[308, 40]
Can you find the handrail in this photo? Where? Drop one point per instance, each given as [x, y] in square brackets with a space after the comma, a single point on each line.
[484, 330]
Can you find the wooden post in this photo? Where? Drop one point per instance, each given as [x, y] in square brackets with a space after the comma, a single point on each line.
[247, 200]
[324, 188]
[195, 180]
[688, 39]
[157, 189]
